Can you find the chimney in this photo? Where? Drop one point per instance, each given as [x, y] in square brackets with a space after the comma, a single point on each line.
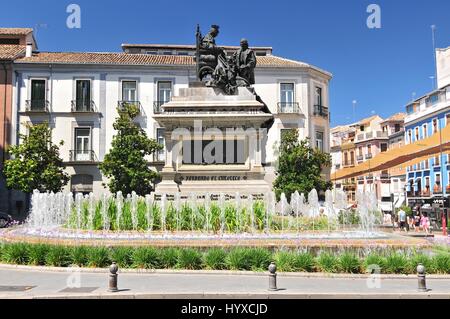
[29, 51]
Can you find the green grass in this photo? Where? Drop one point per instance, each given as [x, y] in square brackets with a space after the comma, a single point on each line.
[189, 258]
[58, 256]
[169, 258]
[145, 258]
[327, 262]
[98, 257]
[349, 263]
[215, 259]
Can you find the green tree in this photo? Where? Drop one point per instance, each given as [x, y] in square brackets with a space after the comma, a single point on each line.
[125, 164]
[35, 163]
[299, 166]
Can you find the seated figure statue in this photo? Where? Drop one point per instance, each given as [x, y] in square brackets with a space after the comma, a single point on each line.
[227, 73]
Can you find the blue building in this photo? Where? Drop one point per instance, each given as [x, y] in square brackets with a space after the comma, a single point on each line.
[430, 178]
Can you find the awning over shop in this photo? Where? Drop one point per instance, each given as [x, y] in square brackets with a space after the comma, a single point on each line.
[434, 144]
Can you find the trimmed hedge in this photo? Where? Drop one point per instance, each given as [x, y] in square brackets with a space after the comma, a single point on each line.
[239, 258]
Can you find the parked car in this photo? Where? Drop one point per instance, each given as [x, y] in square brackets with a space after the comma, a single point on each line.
[5, 219]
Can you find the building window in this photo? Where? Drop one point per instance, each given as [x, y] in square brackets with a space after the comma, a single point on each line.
[417, 133]
[435, 126]
[425, 131]
[129, 91]
[82, 144]
[83, 95]
[369, 149]
[319, 141]
[345, 158]
[383, 147]
[432, 99]
[397, 128]
[164, 91]
[38, 95]
[287, 96]
[319, 96]
[161, 141]
[437, 161]
[152, 52]
[437, 187]
[360, 151]
[183, 53]
[447, 119]
[409, 136]
[427, 166]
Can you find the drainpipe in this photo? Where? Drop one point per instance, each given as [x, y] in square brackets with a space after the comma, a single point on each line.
[5, 69]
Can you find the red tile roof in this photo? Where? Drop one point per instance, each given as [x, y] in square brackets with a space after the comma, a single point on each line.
[11, 51]
[15, 31]
[269, 61]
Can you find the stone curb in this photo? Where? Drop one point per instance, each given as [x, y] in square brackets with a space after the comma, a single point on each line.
[212, 272]
[238, 295]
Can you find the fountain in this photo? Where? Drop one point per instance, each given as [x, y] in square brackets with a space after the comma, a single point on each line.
[197, 219]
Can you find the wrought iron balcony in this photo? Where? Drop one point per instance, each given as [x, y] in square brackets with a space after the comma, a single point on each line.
[385, 177]
[38, 106]
[122, 104]
[82, 106]
[360, 158]
[426, 193]
[320, 110]
[437, 189]
[369, 156]
[288, 108]
[82, 156]
[158, 107]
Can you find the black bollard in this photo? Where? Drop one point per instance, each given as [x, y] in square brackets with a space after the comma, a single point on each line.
[113, 277]
[273, 277]
[421, 278]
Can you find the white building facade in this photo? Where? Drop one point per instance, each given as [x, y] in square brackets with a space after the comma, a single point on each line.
[78, 94]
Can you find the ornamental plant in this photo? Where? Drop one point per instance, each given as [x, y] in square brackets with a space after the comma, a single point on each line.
[300, 166]
[35, 164]
[126, 165]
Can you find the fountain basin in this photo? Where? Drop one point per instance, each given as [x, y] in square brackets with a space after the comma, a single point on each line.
[344, 239]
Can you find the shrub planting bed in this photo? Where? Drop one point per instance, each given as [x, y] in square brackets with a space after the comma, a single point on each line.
[241, 258]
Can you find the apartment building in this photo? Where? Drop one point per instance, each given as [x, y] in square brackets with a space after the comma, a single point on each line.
[80, 94]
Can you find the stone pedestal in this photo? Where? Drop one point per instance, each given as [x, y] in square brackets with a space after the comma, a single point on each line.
[234, 123]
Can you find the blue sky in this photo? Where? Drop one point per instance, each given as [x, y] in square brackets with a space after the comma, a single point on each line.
[380, 68]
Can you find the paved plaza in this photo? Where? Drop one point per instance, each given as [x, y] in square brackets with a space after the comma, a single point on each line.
[23, 283]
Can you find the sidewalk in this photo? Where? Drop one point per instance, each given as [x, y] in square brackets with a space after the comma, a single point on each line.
[47, 284]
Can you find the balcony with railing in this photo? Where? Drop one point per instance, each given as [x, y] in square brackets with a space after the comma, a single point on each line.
[82, 156]
[122, 104]
[288, 108]
[385, 177]
[83, 106]
[369, 156]
[437, 189]
[426, 192]
[158, 107]
[320, 110]
[37, 106]
[371, 135]
[360, 158]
